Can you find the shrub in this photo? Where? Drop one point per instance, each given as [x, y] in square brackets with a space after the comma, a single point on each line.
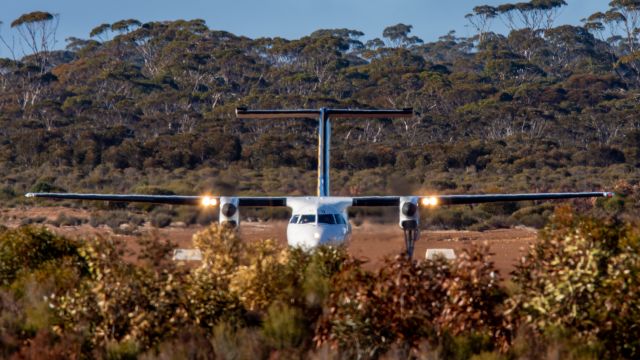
[114, 219]
[231, 342]
[579, 277]
[206, 217]
[284, 326]
[44, 186]
[64, 220]
[368, 313]
[161, 220]
[28, 248]
[450, 218]
[7, 193]
[475, 298]
[126, 308]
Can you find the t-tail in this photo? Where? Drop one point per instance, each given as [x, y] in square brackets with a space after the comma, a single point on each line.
[324, 116]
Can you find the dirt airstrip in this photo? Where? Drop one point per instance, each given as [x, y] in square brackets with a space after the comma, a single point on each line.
[370, 241]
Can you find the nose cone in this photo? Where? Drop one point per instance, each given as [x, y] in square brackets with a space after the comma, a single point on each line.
[309, 236]
[305, 236]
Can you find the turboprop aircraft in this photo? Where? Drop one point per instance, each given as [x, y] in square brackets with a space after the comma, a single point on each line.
[322, 219]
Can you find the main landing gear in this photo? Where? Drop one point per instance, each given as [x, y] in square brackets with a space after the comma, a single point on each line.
[411, 235]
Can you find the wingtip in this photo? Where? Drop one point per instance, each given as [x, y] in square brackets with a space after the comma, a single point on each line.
[609, 194]
[29, 195]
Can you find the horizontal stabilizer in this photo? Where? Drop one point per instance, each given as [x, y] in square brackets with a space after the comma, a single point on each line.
[346, 113]
[243, 113]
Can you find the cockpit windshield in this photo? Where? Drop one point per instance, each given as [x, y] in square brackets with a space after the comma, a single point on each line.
[330, 219]
[307, 219]
[326, 219]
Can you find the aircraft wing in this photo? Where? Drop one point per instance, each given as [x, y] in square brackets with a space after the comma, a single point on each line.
[262, 201]
[434, 200]
[163, 199]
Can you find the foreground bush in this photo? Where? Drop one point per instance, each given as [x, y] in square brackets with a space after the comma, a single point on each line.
[573, 296]
[409, 304]
[583, 276]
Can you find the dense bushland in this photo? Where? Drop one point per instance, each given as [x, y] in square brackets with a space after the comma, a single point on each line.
[573, 296]
[148, 107]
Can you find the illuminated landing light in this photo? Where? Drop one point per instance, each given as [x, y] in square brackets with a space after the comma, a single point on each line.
[430, 201]
[316, 235]
[208, 201]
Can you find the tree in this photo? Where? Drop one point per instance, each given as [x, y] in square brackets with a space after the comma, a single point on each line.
[568, 44]
[622, 22]
[101, 32]
[481, 19]
[124, 26]
[534, 15]
[398, 35]
[348, 35]
[38, 32]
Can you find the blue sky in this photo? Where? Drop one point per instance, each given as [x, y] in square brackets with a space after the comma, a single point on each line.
[285, 18]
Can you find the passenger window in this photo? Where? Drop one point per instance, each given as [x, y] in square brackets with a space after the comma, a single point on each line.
[294, 219]
[307, 219]
[339, 219]
[326, 219]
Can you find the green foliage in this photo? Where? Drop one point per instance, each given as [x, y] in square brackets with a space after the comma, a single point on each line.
[32, 17]
[529, 106]
[284, 326]
[28, 248]
[44, 186]
[579, 277]
[161, 219]
[572, 295]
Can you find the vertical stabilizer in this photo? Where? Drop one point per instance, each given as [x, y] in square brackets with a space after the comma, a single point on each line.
[324, 141]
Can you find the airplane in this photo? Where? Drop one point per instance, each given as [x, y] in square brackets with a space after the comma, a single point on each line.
[322, 219]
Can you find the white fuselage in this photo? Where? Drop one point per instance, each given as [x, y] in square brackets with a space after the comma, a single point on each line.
[317, 221]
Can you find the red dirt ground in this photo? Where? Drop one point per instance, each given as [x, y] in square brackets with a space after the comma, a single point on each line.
[370, 241]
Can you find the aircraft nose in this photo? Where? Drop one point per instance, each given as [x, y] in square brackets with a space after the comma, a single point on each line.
[311, 236]
[317, 235]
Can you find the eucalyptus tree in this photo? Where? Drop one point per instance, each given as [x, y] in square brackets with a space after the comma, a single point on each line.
[101, 32]
[124, 26]
[573, 48]
[535, 14]
[37, 30]
[398, 35]
[621, 22]
[481, 19]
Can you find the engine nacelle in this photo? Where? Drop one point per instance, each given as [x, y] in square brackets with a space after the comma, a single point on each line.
[229, 211]
[409, 213]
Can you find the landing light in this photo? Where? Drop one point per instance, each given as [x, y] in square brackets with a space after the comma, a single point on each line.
[430, 201]
[208, 201]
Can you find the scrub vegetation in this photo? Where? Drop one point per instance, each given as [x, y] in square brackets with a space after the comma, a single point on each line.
[573, 296]
[149, 108]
